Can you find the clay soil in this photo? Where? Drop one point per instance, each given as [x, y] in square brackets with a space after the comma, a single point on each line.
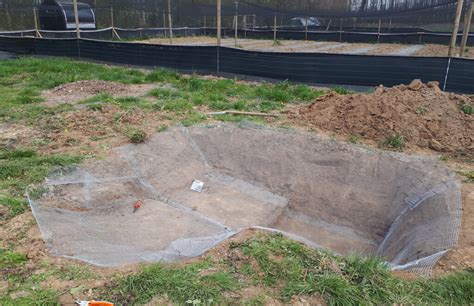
[421, 113]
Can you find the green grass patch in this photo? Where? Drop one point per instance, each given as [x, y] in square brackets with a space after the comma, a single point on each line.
[277, 92]
[25, 288]
[161, 128]
[132, 103]
[22, 168]
[193, 118]
[421, 110]
[22, 80]
[467, 109]
[15, 205]
[75, 272]
[32, 113]
[354, 139]
[396, 142]
[342, 90]
[287, 268]
[36, 296]
[468, 174]
[162, 75]
[181, 285]
[163, 93]
[347, 280]
[135, 135]
[9, 259]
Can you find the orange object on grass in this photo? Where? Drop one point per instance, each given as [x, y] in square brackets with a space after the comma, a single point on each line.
[100, 303]
[94, 303]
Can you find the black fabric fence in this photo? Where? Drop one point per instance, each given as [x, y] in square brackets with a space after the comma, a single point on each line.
[453, 74]
[340, 36]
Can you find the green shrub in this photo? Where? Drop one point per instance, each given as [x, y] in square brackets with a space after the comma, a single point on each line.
[136, 135]
[341, 90]
[467, 109]
[395, 142]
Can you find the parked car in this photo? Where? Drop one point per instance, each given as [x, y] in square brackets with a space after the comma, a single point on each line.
[58, 15]
[300, 22]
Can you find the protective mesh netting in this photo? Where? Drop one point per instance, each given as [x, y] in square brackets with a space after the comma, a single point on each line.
[329, 194]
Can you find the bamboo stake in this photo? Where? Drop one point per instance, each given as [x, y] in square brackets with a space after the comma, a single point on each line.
[230, 112]
[170, 22]
[236, 23]
[112, 24]
[467, 26]
[454, 35]
[245, 26]
[306, 29]
[218, 23]
[35, 13]
[76, 17]
[164, 24]
[378, 35]
[275, 29]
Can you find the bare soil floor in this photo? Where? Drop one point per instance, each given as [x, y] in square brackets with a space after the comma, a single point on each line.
[313, 46]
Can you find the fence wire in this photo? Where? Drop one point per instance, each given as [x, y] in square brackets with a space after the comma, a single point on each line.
[435, 15]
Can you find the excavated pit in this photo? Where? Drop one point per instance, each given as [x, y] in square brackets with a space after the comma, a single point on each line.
[328, 194]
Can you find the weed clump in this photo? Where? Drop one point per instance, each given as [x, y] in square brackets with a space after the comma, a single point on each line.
[421, 110]
[354, 139]
[136, 135]
[161, 128]
[467, 109]
[9, 259]
[396, 142]
[341, 90]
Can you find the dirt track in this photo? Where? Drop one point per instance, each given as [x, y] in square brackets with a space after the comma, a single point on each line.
[313, 46]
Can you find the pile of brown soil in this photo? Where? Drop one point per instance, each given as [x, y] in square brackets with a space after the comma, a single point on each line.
[82, 90]
[421, 113]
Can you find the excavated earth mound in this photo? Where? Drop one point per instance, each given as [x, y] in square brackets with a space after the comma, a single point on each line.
[423, 114]
[326, 193]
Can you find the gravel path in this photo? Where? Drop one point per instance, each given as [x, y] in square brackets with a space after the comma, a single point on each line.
[326, 48]
[361, 50]
[407, 51]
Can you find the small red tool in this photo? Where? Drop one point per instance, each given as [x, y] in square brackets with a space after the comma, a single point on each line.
[137, 205]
